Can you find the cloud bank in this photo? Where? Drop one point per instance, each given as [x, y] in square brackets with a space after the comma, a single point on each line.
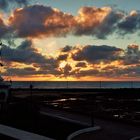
[43, 21]
[38, 21]
[76, 62]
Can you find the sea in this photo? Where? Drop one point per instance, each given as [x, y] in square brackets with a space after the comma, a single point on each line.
[75, 84]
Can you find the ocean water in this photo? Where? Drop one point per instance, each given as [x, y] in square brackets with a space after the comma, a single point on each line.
[76, 84]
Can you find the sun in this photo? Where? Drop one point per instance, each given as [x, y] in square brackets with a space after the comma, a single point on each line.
[62, 64]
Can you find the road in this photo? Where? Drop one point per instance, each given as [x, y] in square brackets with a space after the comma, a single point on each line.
[111, 130]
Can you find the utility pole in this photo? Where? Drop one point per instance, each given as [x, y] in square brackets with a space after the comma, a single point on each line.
[67, 84]
[100, 84]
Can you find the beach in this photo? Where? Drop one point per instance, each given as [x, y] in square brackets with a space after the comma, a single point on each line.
[41, 110]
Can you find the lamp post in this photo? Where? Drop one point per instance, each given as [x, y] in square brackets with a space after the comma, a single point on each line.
[100, 84]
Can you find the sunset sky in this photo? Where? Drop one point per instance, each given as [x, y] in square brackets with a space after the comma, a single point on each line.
[82, 40]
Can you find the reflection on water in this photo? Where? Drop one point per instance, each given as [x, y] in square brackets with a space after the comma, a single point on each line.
[103, 106]
[64, 103]
[66, 99]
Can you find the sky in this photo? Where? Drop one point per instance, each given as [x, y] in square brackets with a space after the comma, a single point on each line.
[58, 40]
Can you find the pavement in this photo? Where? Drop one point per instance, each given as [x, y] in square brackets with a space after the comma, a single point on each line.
[110, 130]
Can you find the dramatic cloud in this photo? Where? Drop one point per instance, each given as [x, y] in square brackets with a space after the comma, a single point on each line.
[63, 57]
[102, 61]
[67, 70]
[87, 61]
[81, 64]
[98, 22]
[39, 20]
[109, 24]
[42, 21]
[22, 72]
[66, 49]
[25, 53]
[132, 55]
[130, 23]
[113, 73]
[29, 60]
[101, 22]
[30, 71]
[3, 28]
[93, 54]
[90, 18]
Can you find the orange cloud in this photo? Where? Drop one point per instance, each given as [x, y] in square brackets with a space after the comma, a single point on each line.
[52, 22]
[38, 20]
[100, 61]
[75, 63]
[90, 18]
[42, 21]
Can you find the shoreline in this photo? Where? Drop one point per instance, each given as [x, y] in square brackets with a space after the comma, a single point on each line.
[114, 106]
[77, 91]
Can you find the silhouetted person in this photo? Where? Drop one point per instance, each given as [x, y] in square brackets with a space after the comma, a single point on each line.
[31, 86]
[11, 81]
